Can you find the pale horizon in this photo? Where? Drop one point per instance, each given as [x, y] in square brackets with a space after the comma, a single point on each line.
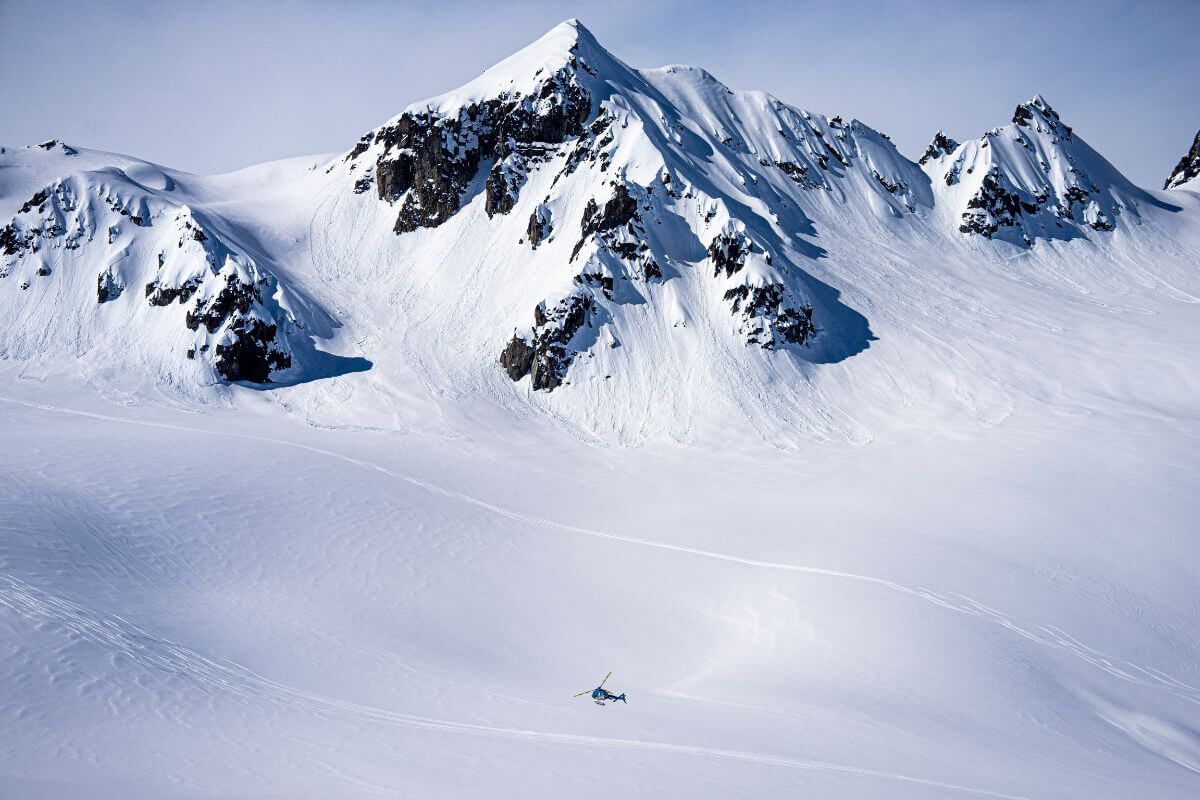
[211, 87]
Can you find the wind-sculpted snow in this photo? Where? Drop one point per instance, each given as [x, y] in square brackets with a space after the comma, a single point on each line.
[376, 603]
[121, 268]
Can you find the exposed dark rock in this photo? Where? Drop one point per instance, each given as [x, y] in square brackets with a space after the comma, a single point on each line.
[952, 174]
[67, 149]
[10, 243]
[159, 295]
[593, 279]
[501, 189]
[890, 186]
[197, 234]
[17, 238]
[1074, 195]
[797, 172]
[1187, 168]
[728, 253]
[247, 335]
[1031, 114]
[996, 204]
[621, 209]
[429, 159]
[362, 146]
[517, 358]
[942, 145]
[765, 313]
[539, 226]
[592, 146]
[38, 199]
[250, 356]
[547, 358]
[234, 297]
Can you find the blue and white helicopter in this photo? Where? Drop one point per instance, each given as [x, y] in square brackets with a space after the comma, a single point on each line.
[600, 694]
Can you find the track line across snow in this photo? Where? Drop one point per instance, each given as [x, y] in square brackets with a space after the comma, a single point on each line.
[1047, 635]
[155, 652]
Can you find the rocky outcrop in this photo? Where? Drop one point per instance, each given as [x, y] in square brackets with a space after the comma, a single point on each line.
[546, 352]
[620, 252]
[942, 145]
[160, 294]
[539, 225]
[996, 204]
[618, 230]
[1037, 115]
[231, 305]
[108, 286]
[1188, 167]
[765, 310]
[250, 352]
[767, 318]
[728, 252]
[619, 210]
[517, 358]
[428, 158]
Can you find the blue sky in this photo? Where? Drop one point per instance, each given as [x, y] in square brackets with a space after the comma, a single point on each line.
[212, 86]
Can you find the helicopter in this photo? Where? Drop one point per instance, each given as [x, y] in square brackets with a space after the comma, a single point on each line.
[600, 694]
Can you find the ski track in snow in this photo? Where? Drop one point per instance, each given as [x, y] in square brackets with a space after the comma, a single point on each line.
[1043, 634]
[154, 652]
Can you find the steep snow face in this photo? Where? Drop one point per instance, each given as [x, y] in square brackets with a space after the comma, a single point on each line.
[659, 188]
[1187, 171]
[112, 264]
[567, 235]
[1031, 179]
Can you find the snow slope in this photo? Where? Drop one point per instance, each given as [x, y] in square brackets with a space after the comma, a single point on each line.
[866, 477]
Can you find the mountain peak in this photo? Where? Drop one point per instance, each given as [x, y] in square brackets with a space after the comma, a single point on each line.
[1188, 167]
[568, 36]
[571, 28]
[1037, 115]
[566, 46]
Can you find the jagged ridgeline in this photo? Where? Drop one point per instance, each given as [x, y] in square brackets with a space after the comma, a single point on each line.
[637, 215]
[1029, 180]
[627, 143]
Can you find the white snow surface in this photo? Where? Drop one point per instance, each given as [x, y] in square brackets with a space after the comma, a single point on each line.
[946, 549]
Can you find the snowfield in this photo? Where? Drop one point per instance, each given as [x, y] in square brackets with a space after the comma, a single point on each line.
[337, 477]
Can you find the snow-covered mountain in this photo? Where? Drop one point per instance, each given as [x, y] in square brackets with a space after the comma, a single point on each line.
[1033, 178]
[309, 486]
[564, 222]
